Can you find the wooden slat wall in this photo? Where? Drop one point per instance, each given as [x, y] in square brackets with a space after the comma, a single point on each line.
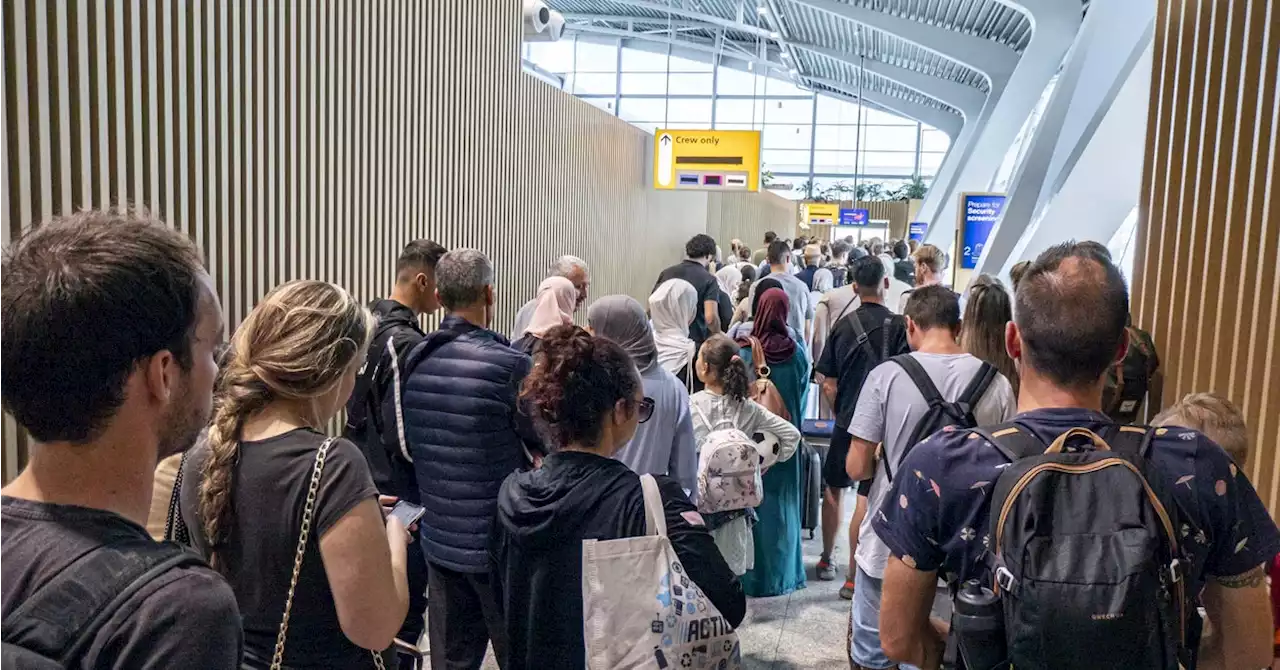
[1206, 281]
[314, 139]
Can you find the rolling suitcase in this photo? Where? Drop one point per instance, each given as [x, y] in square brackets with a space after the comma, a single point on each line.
[810, 487]
[816, 440]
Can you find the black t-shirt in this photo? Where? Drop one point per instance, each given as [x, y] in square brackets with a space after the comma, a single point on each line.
[705, 284]
[184, 618]
[271, 481]
[850, 363]
[724, 305]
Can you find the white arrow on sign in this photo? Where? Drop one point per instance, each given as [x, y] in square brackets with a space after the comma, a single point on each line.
[664, 159]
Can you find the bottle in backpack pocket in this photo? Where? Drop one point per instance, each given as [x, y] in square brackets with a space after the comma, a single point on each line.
[978, 624]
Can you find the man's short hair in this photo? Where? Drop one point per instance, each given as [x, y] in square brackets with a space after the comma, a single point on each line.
[419, 255]
[930, 257]
[779, 252]
[868, 273]
[1097, 247]
[700, 246]
[840, 248]
[877, 248]
[797, 244]
[1072, 307]
[566, 265]
[117, 286]
[770, 236]
[461, 276]
[934, 306]
[900, 250]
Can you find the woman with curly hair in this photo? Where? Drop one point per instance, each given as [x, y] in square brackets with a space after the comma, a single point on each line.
[586, 393]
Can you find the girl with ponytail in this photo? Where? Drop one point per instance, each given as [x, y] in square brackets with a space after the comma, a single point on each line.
[724, 404]
[588, 398]
[292, 365]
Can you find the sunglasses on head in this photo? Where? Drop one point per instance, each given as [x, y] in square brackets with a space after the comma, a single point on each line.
[646, 409]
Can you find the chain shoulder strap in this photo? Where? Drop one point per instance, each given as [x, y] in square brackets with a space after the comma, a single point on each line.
[308, 511]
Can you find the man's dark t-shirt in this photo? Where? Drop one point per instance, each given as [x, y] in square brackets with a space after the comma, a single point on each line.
[272, 477]
[185, 618]
[850, 363]
[705, 284]
[938, 517]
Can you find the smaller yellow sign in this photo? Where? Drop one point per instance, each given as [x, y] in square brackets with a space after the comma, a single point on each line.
[706, 160]
[820, 213]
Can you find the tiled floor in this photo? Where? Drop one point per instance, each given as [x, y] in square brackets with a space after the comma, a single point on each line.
[807, 628]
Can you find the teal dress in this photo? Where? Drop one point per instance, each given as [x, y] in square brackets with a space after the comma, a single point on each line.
[779, 566]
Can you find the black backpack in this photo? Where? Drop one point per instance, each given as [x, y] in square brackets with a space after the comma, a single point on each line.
[941, 412]
[56, 625]
[1083, 548]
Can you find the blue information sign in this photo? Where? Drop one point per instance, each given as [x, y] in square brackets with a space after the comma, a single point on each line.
[916, 230]
[981, 211]
[854, 217]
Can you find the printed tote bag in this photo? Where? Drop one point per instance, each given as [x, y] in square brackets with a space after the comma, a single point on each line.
[640, 609]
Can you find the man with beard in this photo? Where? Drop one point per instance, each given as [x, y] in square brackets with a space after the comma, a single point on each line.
[108, 328]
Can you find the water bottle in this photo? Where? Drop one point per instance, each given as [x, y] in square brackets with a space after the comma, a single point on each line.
[978, 625]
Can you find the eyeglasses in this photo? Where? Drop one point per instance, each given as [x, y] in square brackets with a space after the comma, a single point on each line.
[646, 409]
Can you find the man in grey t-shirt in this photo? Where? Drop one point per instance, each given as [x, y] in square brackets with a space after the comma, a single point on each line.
[888, 410]
[800, 315]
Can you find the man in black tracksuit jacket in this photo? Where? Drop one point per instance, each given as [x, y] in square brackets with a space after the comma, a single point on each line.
[373, 417]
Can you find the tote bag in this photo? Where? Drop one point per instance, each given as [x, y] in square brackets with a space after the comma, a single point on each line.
[640, 609]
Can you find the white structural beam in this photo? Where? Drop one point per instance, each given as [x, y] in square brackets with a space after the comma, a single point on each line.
[967, 99]
[975, 163]
[995, 61]
[654, 22]
[666, 39]
[947, 122]
[701, 16]
[1081, 172]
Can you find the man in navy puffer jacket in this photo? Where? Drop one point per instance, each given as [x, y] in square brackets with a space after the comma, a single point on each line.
[465, 434]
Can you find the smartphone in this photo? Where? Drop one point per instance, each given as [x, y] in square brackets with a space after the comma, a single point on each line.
[407, 512]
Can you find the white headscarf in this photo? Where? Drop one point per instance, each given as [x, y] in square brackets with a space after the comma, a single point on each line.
[672, 307]
[823, 281]
[554, 305]
[729, 277]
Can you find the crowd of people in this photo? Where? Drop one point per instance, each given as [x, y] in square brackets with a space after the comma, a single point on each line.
[609, 495]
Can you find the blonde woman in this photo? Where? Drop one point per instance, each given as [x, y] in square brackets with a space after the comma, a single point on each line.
[987, 312]
[247, 488]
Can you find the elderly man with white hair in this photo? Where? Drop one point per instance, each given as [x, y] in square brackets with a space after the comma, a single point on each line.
[570, 267]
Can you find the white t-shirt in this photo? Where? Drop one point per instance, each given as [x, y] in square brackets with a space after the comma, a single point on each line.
[888, 410]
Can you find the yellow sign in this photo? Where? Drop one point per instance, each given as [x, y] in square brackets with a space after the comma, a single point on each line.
[820, 213]
[706, 160]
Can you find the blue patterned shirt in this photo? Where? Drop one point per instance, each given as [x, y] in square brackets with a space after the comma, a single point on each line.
[936, 516]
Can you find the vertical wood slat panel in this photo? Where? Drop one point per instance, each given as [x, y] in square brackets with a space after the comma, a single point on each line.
[1208, 214]
[314, 139]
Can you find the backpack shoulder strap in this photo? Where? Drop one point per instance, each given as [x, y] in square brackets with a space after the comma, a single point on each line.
[919, 377]
[1133, 441]
[711, 427]
[978, 385]
[62, 618]
[931, 395]
[1013, 440]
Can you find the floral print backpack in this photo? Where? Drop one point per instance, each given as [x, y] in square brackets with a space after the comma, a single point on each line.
[729, 468]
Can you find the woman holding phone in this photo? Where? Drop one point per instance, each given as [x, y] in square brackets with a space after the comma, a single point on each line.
[288, 516]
